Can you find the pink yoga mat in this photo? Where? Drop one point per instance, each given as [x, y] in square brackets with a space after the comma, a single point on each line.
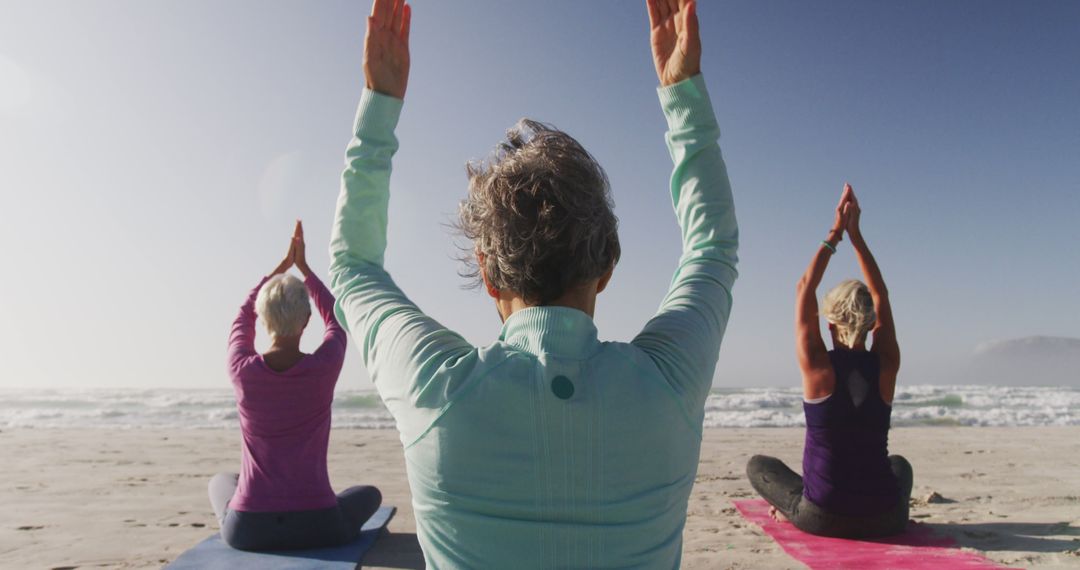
[917, 549]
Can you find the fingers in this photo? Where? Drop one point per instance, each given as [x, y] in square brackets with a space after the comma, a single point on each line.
[663, 8]
[654, 13]
[677, 15]
[382, 12]
[690, 23]
[406, 22]
[849, 192]
[399, 14]
[849, 203]
[846, 196]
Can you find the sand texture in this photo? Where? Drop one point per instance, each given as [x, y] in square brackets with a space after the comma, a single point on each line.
[137, 498]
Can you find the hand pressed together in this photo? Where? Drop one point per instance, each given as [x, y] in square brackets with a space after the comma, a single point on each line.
[296, 255]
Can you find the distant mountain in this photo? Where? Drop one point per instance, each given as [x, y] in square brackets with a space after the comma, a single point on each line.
[1028, 361]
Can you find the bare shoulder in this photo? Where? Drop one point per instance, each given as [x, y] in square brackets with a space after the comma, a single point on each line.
[818, 381]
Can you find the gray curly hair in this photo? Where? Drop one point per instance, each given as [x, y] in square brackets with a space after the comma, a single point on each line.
[539, 211]
[850, 307]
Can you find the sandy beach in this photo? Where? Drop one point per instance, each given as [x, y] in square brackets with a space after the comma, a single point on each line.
[105, 498]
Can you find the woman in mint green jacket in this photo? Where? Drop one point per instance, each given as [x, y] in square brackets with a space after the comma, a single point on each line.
[548, 447]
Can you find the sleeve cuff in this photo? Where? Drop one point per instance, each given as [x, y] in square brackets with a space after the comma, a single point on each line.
[377, 113]
[687, 103]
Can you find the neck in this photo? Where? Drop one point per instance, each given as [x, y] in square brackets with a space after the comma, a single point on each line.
[581, 298]
[285, 344]
[859, 345]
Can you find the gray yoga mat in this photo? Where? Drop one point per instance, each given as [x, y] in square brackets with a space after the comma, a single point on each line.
[214, 554]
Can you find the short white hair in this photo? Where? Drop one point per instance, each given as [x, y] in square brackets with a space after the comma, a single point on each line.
[283, 305]
[850, 307]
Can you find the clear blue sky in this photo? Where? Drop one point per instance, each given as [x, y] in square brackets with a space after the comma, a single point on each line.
[154, 154]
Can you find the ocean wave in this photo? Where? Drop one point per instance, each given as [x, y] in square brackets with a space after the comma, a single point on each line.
[924, 405]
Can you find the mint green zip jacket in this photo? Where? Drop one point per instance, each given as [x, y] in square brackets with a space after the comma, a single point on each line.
[547, 448]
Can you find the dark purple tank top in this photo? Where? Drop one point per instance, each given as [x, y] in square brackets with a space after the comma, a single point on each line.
[846, 458]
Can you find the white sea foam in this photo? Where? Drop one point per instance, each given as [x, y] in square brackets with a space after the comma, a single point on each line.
[726, 407]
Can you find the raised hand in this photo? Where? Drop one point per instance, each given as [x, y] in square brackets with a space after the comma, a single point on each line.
[298, 251]
[290, 258]
[386, 47]
[843, 210]
[853, 212]
[676, 42]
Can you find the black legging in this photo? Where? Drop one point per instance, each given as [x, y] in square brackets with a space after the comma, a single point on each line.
[783, 489]
[295, 530]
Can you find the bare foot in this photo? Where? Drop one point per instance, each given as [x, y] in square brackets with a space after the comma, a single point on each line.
[777, 515]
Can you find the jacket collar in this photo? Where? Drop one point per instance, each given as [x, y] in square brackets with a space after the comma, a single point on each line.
[559, 331]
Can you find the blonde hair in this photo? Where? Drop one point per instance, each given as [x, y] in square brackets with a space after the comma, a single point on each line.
[283, 305]
[850, 307]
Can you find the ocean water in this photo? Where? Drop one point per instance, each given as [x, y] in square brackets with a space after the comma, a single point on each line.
[726, 407]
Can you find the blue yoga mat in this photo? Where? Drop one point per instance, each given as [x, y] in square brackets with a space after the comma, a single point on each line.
[213, 553]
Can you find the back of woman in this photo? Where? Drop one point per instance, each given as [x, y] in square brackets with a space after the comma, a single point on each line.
[285, 425]
[596, 476]
[845, 459]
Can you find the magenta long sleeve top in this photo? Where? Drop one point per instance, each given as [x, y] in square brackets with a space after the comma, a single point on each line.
[285, 416]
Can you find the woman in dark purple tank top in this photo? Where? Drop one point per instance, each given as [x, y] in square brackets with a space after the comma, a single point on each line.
[851, 487]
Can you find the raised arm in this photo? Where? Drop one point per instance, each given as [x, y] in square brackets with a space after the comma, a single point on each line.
[242, 334]
[334, 337]
[400, 345]
[683, 338]
[818, 377]
[884, 331]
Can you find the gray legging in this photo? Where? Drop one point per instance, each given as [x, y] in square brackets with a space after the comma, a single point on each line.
[295, 530]
[783, 489]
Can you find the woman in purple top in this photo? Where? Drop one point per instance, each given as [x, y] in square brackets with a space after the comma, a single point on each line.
[851, 487]
[282, 499]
